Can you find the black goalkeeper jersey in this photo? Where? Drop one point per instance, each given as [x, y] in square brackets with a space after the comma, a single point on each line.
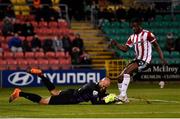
[88, 92]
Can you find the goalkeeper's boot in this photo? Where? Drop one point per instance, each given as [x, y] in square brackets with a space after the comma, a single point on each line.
[14, 95]
[122, 99]
[36, 71]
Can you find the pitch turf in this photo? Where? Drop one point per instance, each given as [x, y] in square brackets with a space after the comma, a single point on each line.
[146, 100]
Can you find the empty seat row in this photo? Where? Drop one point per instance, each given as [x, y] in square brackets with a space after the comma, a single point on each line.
[21, 64]
[34, 55]
[51, 24]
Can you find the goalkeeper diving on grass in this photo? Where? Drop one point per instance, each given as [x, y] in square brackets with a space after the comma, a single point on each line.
[94, 92]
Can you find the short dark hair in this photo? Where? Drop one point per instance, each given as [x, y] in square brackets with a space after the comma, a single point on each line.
[137, 20]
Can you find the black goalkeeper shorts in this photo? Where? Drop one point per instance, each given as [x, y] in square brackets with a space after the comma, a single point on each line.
[65, 97]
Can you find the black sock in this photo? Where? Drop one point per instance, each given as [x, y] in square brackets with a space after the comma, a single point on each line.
[30, 96]
[50, 86]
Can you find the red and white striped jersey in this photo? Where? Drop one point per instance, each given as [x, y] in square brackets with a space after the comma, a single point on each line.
[142, 45]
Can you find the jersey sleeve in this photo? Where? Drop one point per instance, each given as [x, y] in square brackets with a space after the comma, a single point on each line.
[151, 37]
[129, 42]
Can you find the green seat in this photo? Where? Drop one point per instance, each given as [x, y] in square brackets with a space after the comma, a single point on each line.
[115, 24]
[159, 18]
[155, 54]
[106, 23]
[177, 61]
[166, 54]
[167, 18]
[124, 24]
[170, 61]
[175, 54]
[156, 61]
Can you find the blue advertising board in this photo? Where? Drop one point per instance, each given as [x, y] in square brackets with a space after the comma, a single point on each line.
[20, 78]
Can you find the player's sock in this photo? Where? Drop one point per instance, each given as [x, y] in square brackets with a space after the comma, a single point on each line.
[30, 96]
[119, 87]
[125, 84]
[50, 86]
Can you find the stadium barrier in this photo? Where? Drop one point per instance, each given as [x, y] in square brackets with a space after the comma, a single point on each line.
[115, 67]
[58, 77]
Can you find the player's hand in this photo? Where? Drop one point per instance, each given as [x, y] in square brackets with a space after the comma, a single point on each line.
[164, 62]
[113, 42]
[110, 98]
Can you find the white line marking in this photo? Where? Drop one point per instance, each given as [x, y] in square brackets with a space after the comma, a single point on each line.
[156, 100]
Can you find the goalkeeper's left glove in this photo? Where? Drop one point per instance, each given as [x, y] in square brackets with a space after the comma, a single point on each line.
[110, 98]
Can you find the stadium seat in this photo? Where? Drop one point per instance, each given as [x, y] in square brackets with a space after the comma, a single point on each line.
[22, 64]
[62, 24]
[34, 23]
[59, 54]
[32, 63]
[19, 55]
[43, 64]
[50, 55]
[29, 38]
[29, 55]
[65, 63]
[39, 55]
[5, 47]
[52, 24]
[2, 39]
[12, 64]
[42, 24]
[54, 64]
[8, 55]
[175, 54]
[3, 64]
[1, 55]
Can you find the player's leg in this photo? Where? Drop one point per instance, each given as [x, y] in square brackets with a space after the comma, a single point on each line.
[30, 96]
[124, 80]
[50, 86]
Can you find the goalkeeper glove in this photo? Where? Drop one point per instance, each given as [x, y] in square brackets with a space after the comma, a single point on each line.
[110, 98]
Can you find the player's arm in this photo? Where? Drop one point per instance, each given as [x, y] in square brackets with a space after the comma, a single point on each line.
[123, 48]
[152, 39]
[158, 49]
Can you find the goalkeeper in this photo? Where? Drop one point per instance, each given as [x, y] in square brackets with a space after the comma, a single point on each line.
[94, 92]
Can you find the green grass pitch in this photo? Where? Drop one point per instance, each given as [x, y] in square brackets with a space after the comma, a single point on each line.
[147, 100]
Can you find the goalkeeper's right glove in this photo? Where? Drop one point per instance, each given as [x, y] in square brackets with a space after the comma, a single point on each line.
[110, 98]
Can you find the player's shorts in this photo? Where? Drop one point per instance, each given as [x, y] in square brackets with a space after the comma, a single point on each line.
[142, 64]
[65, 97]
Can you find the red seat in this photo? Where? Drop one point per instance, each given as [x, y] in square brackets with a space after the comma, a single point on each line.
[54, 64]
[22, 38]
[62, 24]
[43, 64]
[3, 64]
[52, 24]
[59, 54]
[1, 55]
[29, 38]
[5, 47]
[42, 24]
[32, 63]
[8, 55]
[19, 55]
[2, 39]
[50, 55]
[8, 38]
[22, 64]
[34, 23]
[40, 55]
[65, 63]
[29, 55]
[12, 64]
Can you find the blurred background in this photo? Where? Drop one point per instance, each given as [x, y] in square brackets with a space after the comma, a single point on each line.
[74, 36]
